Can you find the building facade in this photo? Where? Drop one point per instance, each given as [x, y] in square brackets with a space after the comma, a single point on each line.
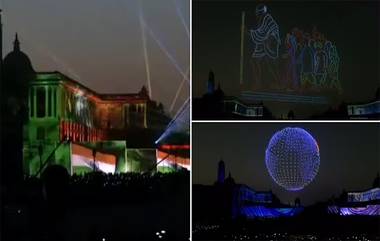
[369, 110]
[61, 109]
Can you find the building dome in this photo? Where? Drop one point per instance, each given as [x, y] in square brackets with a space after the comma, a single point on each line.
[17, 60]
[18, 71]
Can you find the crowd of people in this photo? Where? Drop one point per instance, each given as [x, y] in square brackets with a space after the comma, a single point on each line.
[119, 187]
[97, 206]
[217, 232]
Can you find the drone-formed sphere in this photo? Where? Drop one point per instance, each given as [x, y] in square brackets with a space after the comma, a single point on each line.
[292, 158]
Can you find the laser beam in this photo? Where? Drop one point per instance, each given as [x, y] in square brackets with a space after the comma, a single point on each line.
[179, 123]
[58, 61]
[162, 47]
[178, 91]
[145, 50]
[178, 10]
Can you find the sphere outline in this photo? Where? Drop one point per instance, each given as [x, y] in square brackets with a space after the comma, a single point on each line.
[292, 158]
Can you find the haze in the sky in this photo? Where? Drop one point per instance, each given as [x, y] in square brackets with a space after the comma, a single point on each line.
[99, 42]
[349, 156]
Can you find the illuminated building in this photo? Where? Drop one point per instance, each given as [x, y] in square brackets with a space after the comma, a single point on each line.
[365, 203]
[61, 121]
[229, 200]
[366, 196]
[359, 203]
[237, 107]
[268, 212]
[215, 105]
[61, 108]
[367, 110]
[173, 152]
[173, 157]
[80, 113]
[251, 204]
[255, 105]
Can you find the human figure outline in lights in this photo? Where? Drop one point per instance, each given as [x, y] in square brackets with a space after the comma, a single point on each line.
[266, 38]
[307, 61]
[312, 61]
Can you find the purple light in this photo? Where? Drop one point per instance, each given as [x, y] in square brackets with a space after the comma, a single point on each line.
[292, 158]
[372, 194]
[267, 212]
[368, 210]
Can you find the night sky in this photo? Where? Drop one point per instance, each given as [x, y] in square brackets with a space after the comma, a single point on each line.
[99, 43]
[352, 26]
[349, 152]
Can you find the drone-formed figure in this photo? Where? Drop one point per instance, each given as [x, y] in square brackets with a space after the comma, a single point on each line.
[266, 39]
[266, 36]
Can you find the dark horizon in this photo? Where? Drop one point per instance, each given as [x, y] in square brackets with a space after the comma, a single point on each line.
[347, 161]
[352, 26]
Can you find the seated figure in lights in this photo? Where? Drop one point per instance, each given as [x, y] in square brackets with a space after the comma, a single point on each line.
[266, 39]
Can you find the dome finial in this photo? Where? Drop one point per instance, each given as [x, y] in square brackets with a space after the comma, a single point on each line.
[16, 44]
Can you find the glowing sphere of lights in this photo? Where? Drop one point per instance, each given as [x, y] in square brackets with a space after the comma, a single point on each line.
[292, 158]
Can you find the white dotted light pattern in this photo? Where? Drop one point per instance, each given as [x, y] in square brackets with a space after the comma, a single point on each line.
[292, 158]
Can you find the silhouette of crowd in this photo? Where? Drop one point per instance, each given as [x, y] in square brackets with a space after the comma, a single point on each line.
[95, 205]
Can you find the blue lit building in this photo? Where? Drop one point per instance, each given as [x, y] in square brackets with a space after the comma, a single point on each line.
[250, 204]
[237, 107]
[229, 200]
[359, 203]
[364, 196]
[214, 104]
[366, 111]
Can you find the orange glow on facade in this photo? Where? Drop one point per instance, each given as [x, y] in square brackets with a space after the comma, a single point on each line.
[175, 147]
[173, 159]
[79, 132]
[87, 153]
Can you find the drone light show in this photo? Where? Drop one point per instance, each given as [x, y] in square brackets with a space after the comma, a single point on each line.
[302, 61]
[292, 158]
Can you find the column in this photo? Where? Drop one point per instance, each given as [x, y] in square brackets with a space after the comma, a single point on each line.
[52, 101]
[59, 103]
[46, 101]
[34, 101]
[145, 124]
[30, 102]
